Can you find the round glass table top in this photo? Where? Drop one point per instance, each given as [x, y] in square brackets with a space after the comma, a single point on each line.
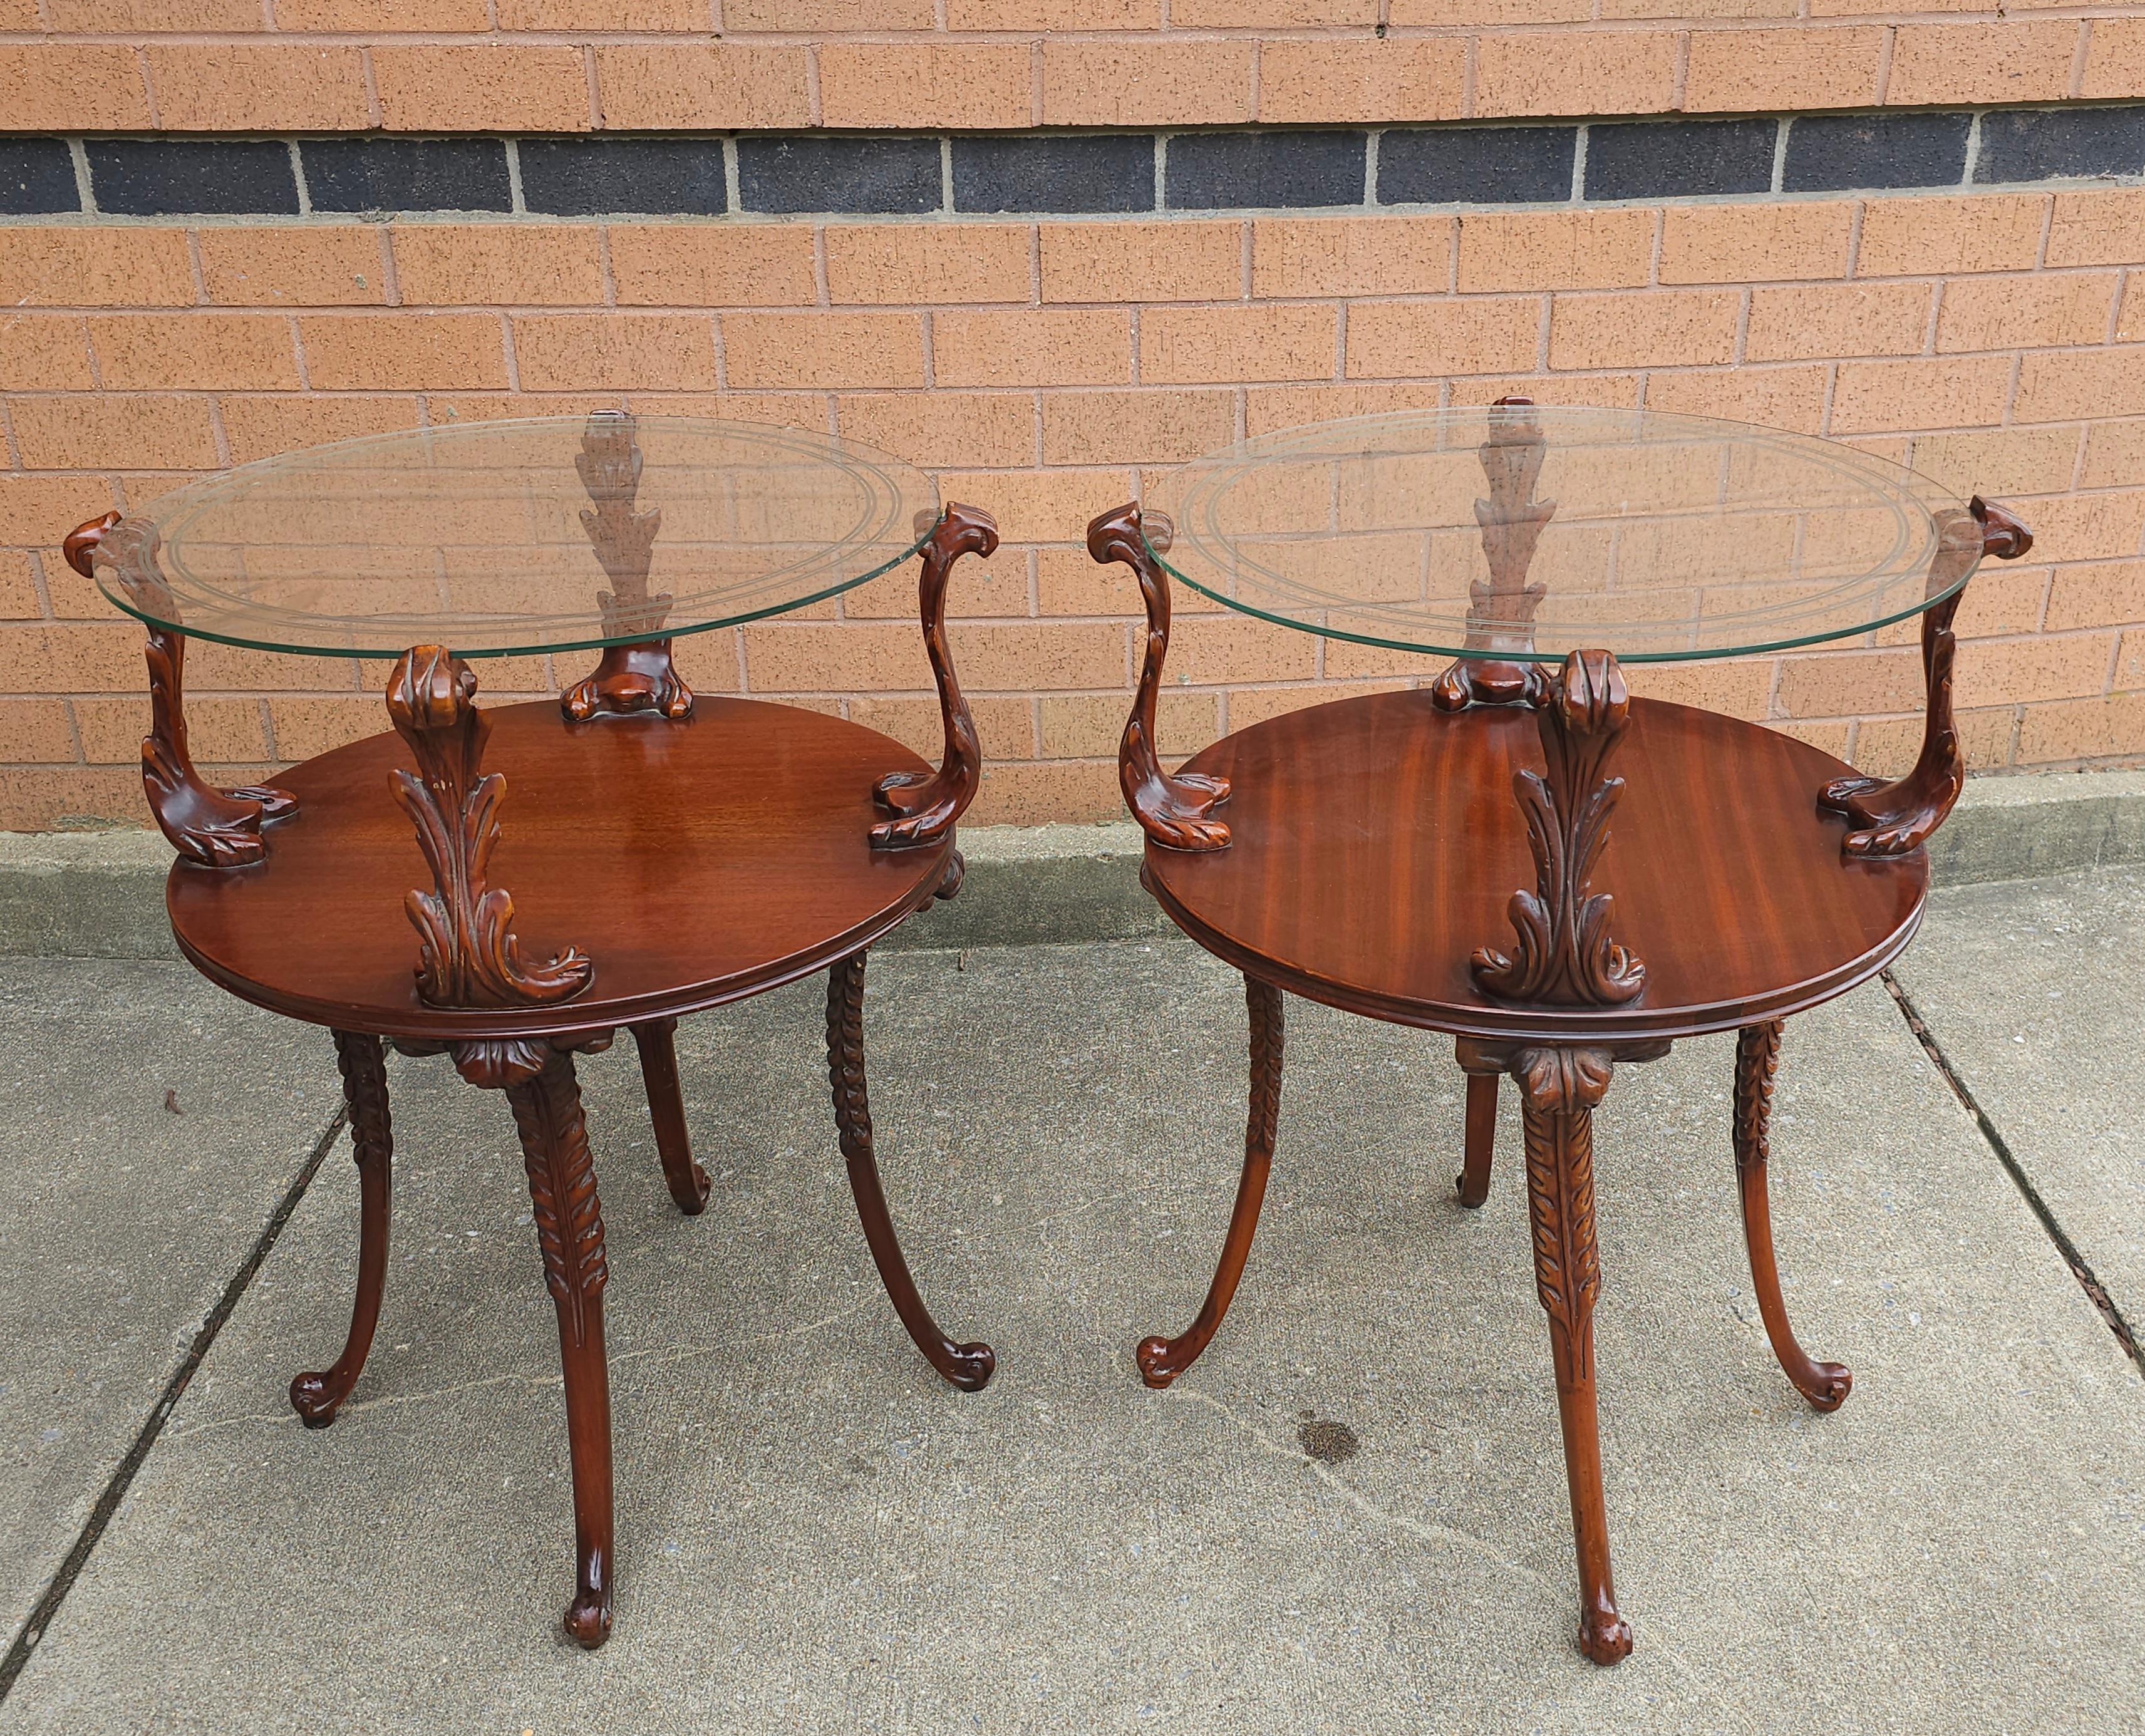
[490, 537]
[1527, 532]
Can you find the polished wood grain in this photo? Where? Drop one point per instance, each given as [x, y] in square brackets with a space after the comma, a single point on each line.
[925, 807]
[215, 828]
[316, 1396]
[1162, 1360]
[688, 1182]
[1375, 839]
[1176, 811]
[688, 884]
[1890, 819]
[1473, 1180]
[1825, 1385]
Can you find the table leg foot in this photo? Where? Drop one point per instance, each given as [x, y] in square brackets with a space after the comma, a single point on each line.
[569, 1234]
[1162, 1360]
[316, 1396]
[1560, 1088]
[1473, 1180]
[968, 1366]
[666, 1107]
[1825, 1385]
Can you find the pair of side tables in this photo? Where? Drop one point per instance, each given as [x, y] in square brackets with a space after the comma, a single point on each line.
[1427, 857]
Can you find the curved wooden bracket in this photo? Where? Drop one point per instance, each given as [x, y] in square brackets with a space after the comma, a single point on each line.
[468, 953]
[1891, 819]
[639, 677]
[215, 828]
[1564, 953]
[1500, 614]
[1172, 811]
[925, 805]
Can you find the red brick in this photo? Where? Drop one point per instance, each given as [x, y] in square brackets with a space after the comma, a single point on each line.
[492, 264]
[1783, 397]
[1142, 261]
[230, 88]
[2013, 62]
[709, 265]
[1555, 250]
[2005, 313]
[272, 422]
[1945, 392]
[1586, 73]
[1189, 345]
[482, 88]
[763, 350]
[1992, 233]
[584, 352]
[1838, 319]
[942, 427]
[1136, 427]
[1664, 327]
[72, 87]
[97, 267]
[903, 263]
[147, 431]
[702, 85]
[1033, 346]
[333, 267]
[1181, 83]
[247, 351]
[1352, 255]
[1360, 79]
[2060, 385]
[1742, 70]
[1451, 335]
[44, 353]
[411, 351]
[925, 84]
[2097, 229]
[1755, 243]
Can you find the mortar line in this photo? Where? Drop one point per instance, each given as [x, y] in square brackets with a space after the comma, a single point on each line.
[2096, 1293]
[48, 1605]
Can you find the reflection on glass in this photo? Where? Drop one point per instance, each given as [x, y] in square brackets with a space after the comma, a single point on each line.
[1653, 536]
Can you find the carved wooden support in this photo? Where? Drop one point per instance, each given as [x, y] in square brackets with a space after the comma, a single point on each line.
[925, 805]
[215, 828]
[1500, 613]
[1564, 954]
[1172, 811]
[1162, 1360]
[468, 953]
[638, 678]
[1825, 1385]
[968, 1366]
[1560, 1088]
[318, 1396]
[1891, 819]
[569, 1235]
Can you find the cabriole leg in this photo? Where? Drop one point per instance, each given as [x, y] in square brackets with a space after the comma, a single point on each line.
[318, 1396]
[562, 1188]
[968, 1366]
[1825, 1385]
[1560, 1088]
[1162, 1359]
[666, 1108]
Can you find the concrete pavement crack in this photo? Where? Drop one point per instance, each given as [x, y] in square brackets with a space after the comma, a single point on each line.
[116, 1487]
[2096, 1292]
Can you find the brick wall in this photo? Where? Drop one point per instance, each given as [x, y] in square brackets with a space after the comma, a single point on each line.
[1922, 234]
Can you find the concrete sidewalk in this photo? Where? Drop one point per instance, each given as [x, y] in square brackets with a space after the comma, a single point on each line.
[817, 1536]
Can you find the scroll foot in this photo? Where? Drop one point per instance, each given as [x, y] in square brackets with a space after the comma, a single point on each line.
[316, 1396]
[968, 1366]
[1162, 1360]
[1824, 1384]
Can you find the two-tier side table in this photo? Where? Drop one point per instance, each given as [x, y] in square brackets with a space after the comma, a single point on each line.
[623, 857]
[1444, 858]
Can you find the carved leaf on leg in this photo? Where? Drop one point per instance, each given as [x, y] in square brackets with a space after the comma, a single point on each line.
[562, 1188]
[638, 678]
[468, 953]
[215, 828]
[925, 805]
[1173, 811]
[1891, 819]
[1563, 952]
